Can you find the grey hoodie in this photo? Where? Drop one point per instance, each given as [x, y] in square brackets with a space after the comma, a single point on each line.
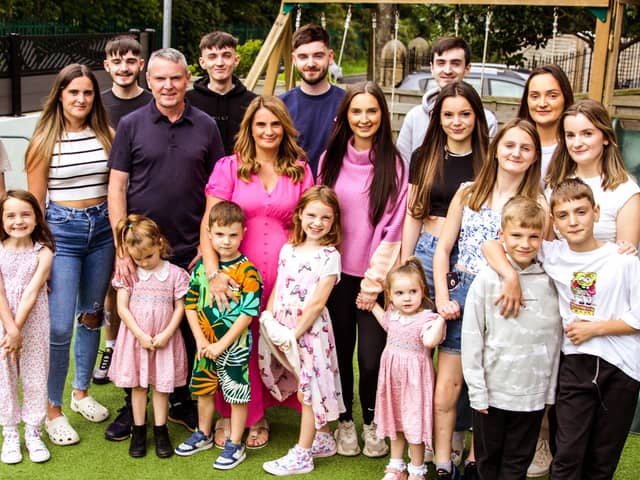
[417, 120]
[512, 363]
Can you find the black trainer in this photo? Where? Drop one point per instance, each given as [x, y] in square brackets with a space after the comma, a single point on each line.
[471, 471]
[101, 374]
[184, 413]
[120, 428]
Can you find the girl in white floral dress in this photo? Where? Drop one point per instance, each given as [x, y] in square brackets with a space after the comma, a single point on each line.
[308, 268]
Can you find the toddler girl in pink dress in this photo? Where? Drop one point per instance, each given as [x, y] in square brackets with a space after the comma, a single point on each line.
[404, 398]
[149, 349]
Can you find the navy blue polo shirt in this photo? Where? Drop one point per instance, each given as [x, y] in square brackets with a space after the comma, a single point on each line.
[168, 166]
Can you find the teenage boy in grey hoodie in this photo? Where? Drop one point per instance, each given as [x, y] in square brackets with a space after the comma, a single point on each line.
[450, 61]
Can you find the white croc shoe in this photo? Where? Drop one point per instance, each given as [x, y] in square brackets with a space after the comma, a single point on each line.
[89, 408]
[60, 431]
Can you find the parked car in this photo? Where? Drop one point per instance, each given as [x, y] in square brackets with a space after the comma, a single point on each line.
[498, 81]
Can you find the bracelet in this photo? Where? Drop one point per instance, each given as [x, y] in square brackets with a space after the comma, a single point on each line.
[213, 275]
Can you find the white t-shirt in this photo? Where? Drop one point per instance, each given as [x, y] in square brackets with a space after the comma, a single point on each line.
[547, 153]
[610, 201]
[596, 286]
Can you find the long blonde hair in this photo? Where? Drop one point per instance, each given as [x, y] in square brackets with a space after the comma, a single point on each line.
[480, 190]
[289, 151]
[51, 125]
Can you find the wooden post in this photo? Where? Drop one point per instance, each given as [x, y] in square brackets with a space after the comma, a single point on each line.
[610, 75]
[270, 44]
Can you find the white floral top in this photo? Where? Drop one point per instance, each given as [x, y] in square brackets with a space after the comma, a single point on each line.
[476, 228]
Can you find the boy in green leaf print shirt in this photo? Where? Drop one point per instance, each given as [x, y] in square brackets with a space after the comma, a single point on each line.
[223, 338]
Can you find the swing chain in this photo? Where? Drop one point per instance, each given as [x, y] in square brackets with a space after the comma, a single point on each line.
[456, 21]
[555, 33]
[298, 15]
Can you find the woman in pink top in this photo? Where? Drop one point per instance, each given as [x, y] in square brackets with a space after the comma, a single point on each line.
[364, 168]
[266, 176]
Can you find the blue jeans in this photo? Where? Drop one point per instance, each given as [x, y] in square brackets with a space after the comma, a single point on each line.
[80, 275]
[425, 249]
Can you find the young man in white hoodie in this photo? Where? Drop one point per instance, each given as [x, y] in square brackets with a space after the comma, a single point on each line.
[450, 61]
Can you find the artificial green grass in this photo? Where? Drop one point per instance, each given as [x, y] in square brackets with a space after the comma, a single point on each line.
[96, 458]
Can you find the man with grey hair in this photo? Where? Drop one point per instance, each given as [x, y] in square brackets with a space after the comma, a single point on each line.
[160, 162]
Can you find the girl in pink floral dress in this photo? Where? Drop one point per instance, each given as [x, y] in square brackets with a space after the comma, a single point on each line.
[149, 350]
[404, 398]
[308, 268]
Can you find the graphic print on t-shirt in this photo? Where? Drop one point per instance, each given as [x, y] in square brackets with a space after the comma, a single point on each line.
[583, 291]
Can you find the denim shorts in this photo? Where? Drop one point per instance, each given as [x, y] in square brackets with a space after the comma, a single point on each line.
[425, 249]
[453, 341]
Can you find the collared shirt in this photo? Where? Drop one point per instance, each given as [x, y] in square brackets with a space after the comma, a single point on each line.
[168, 166]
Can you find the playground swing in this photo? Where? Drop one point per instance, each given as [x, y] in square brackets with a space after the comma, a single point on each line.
[608, 27]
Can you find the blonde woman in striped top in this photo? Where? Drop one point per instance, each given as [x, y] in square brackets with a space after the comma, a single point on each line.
[66, 166]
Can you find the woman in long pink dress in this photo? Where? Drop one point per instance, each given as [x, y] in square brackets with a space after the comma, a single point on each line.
[265, 176]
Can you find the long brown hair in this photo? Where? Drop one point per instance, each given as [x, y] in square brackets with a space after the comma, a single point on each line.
[51, 125]
[563, 166]
[481, 189]
[431, 154]
[41, 232]
[289, 151]
[385, 158]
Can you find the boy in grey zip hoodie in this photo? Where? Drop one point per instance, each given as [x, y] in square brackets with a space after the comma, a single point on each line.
[511, 365]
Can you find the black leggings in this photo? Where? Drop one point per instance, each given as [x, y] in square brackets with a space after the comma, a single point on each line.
[346, 319]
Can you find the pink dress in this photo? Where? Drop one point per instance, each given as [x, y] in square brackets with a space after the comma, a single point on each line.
[151, 303]
[298, 276]
[404, 399]
[268, 223]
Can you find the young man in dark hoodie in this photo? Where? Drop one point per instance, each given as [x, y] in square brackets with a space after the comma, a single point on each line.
[220, 93]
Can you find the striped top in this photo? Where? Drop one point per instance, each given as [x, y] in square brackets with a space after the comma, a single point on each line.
[78, 168]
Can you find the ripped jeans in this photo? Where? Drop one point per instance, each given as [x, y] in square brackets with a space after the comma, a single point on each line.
[80, 274]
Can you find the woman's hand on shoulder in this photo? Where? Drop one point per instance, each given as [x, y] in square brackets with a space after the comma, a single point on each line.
[125, 270]
[221, 287]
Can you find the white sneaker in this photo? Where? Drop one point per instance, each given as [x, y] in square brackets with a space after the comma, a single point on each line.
[541, 461]
[38, 451]
[11, 447]
[457, 447]
[347, 439]
[374, 446]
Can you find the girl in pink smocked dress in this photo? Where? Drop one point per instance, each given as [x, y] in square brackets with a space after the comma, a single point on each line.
[308, 268]
[26, 255]
[404, 399]
[149, 349]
